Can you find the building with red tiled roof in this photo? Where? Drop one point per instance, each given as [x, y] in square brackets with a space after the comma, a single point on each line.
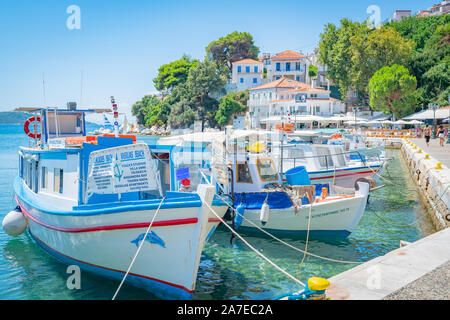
[280, 83]
[289, 64]
[286, 96]
[247, 61]
[436, 10]
[246, 74]
[288, 55]
[401, 14]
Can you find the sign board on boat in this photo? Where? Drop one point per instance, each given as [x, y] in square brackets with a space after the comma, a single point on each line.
[123, 169]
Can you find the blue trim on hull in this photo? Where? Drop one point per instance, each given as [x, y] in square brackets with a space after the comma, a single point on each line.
[313, 234]
[173, 200]
[161, 290]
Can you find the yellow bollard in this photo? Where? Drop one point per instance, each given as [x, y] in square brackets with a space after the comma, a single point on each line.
[439, 166]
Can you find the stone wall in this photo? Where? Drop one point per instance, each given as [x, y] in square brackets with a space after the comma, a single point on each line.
[433, 183]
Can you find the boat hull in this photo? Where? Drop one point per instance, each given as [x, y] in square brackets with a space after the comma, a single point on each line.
[344, 177]
[336, 218]
[106, 244]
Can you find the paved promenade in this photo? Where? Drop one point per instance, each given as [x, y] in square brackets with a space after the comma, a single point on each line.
[417, 271]
[441, 154]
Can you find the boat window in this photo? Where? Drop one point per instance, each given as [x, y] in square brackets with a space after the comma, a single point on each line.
[243, 173]
[21, 167]
[340, 157]
[30, 175]
[58, 180]
[296, 153]
[44, 178]
[266, 170]
[36, 177]
[324, 157]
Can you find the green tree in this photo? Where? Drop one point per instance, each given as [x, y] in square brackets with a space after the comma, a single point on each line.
[430, 60]
[203, 81]
[336, 50]
[182, 109]
[233, 47]
[374, 50]
[392, 90]
[419, 30]
[312, 72]
[142, 107]
[172, 74]
[231, 104]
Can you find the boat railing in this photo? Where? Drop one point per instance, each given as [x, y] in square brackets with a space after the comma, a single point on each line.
[363, 158]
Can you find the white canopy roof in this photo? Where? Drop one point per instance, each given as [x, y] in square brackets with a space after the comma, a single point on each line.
[416, 122]
[345, 118]
[401, 122]
[443, 113]
[292, 119]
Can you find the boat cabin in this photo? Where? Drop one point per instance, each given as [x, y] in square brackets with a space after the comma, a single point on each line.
[55, 169]
[254, 173]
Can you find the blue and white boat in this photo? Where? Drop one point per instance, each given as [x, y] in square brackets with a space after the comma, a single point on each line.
[260, 196]
[90, 201]
[262, 199]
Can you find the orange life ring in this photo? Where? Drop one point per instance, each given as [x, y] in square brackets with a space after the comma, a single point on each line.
[336, 136]
[27, 129]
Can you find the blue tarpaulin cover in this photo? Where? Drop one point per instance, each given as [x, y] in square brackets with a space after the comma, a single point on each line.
[254, 201]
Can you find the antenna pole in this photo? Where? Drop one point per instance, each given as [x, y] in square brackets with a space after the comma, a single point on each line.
[81, 88]
[116, 116]
[43, 87]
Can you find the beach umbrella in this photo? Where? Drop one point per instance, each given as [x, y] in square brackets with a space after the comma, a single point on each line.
[416, 122]
[401, 122]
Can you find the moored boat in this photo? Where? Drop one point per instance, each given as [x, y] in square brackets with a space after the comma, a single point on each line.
[93, 201]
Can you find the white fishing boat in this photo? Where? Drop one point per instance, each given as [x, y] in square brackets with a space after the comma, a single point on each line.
[263, 200]
[325, 163]
[93, 201]
[258, 184]
[330, 163]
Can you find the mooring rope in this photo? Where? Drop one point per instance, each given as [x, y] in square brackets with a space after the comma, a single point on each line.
[285, 243]
[254, 249]
[139, 249]
[307, 241]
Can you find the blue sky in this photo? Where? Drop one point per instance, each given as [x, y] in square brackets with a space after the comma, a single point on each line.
[121, 44]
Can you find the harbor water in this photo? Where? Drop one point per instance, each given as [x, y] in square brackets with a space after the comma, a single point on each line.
[227, 271]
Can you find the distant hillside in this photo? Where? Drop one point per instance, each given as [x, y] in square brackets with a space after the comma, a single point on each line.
[13, 117]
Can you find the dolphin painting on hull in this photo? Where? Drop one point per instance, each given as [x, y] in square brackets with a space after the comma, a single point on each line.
[152, 238]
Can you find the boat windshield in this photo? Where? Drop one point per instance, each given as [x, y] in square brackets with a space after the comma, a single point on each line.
[267, 170]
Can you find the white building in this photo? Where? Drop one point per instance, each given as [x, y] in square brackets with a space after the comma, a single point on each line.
[401, 14]
[287, 97]
[246, 74]
[288, 64]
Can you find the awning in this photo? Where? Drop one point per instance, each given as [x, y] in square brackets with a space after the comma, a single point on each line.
[443, 113]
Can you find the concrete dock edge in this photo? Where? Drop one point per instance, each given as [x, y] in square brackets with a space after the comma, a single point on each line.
[399, 273]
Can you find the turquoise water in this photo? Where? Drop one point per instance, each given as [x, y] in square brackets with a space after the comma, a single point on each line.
[226, 271]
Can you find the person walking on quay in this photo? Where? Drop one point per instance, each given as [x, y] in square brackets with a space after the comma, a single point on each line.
[427, 134]
[441, 135]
